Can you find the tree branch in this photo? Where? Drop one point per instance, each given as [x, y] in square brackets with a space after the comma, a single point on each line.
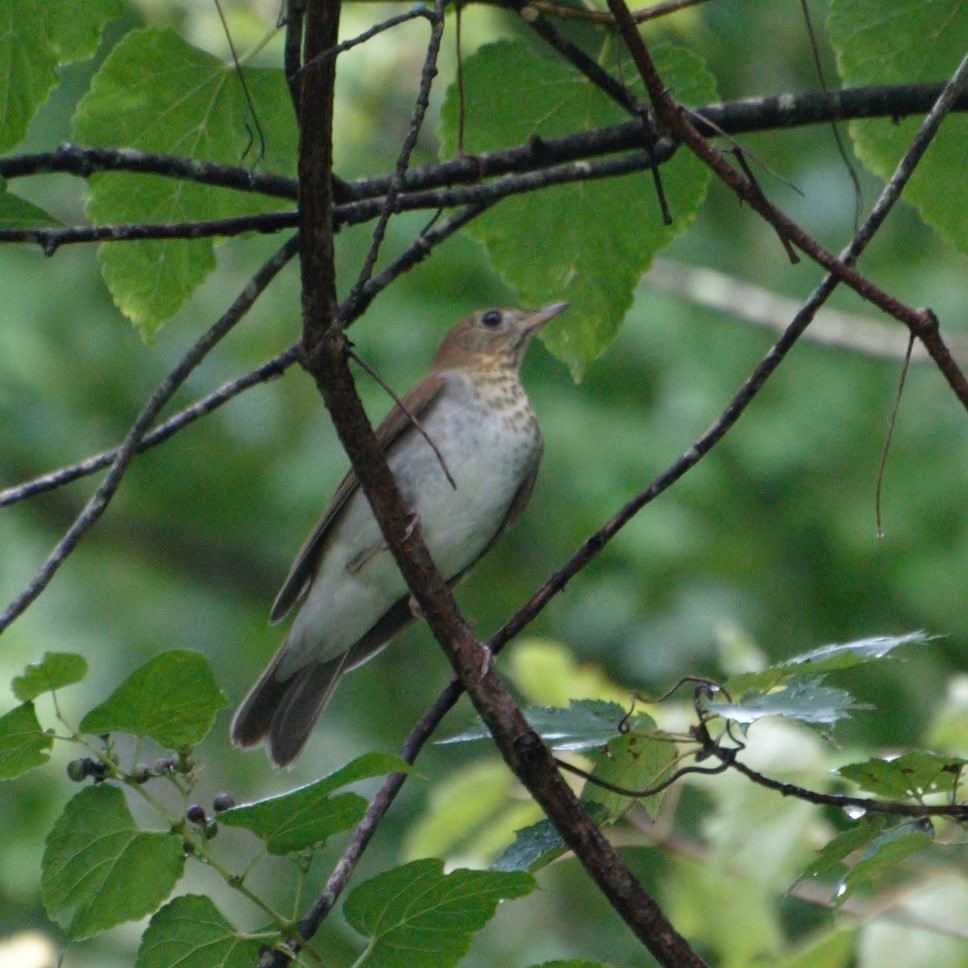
[98, 503]
[921, 322]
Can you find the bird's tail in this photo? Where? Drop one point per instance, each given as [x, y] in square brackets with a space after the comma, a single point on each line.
[283, 711]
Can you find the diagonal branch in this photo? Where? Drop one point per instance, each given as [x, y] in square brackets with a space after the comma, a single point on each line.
[597, 542]
[98, 503]
[921, 322]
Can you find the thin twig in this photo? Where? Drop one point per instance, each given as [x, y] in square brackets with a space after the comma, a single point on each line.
[205, 405]
[891, 423]
[418, 426]
[427, 75]
[99, 502]
[920, 321]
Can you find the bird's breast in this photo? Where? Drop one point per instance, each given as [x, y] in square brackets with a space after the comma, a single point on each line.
[488, 436]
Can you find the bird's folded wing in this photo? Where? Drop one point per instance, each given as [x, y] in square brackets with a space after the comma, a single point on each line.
[417, 402]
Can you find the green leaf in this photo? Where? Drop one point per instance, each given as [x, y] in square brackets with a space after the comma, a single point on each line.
[596, 238]
[191, 932]
[904, 42]
[307, 816]
[572, 963]
[632, 761]
[886, 851]
[829, 858]
[803, 698]
[585, 724]
[27, 67]
[828, 658]
[18, 213]
[34, 37]
[417, 916]
[75, 28]
[912, 775]
[533, 847]
[54, 671]
[157, 93]
[99, 870]
[23, 744]
[172, 698]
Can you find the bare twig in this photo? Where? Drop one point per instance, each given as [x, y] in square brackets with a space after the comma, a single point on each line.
[921, 322]
[98, 503]
[212, 401]
[427, 75]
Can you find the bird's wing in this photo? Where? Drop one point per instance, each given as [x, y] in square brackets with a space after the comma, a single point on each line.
[418, 402]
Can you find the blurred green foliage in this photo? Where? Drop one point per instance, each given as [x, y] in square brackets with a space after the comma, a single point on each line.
[767, 547]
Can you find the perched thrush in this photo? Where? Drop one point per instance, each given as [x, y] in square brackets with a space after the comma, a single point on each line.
[351, 599]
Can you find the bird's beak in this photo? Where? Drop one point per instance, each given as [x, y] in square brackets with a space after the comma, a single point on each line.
[541, 316]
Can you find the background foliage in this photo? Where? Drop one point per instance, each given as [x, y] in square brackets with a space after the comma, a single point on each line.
[767, 549]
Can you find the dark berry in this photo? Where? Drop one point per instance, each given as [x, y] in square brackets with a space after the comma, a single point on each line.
[77, 770]
[141, 773]
[163, 765]
[224, 801]
[196, 813]
[211, 830]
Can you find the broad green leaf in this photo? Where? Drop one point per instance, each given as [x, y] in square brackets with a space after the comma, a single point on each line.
[36, 35]
[417, 916]
[23, 744]
[632, 761]
[307, 816]
[54, 671]
[533, 847]
[156, 93]
[916, 774]
[100, 870]
[172, 698]
[803, 698]
[828, 658]
[587, 242]
[904, 42]
[832, 949]
[885, 851]
[829, 858]
[27, 67]
[458, 805]
[191, 932]
[75, 28]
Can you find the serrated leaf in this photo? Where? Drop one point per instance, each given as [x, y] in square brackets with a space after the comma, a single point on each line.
[417, 916]
[157, 93]
[100, 870]
[191, 932]
[308, 816]
[914, 774]
[587, 242]
[533, 847]
[27, 67]
[172, 698]
[803, 698]
[632, 761]
[23, 744]
[904, 42]
[829, 858]
[54, 671]
[828, 658]
[585, 724]
[885, 851]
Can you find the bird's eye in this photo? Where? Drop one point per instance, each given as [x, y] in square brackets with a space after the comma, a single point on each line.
[491, 318]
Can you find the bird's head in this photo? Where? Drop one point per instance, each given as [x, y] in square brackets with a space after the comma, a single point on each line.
[496, 336]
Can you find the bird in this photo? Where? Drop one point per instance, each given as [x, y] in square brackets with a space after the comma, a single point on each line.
[348, 595]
